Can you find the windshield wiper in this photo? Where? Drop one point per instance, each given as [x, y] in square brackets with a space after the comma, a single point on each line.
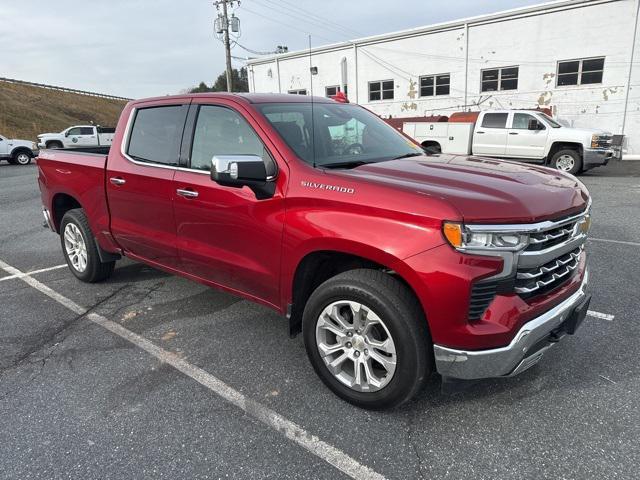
[349, 164]
[407, 155]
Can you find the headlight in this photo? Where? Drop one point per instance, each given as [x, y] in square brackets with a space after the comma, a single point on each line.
[584, 225]
[463, 238]
[594, 140]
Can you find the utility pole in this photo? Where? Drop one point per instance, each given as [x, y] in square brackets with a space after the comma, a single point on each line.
[222, 25]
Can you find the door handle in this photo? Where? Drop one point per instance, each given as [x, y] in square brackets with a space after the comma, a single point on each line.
[183, 192]
[117, 180]
[513, 133]
[479, 133]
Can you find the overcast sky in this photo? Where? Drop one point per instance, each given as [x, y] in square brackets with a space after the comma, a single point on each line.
[141, 48]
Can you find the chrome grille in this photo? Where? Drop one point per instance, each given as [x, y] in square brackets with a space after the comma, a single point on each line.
[546, 277]
[549, 238]
[604, 141]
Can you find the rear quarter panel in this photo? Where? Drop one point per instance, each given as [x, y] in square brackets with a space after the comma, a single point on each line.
[80, 176]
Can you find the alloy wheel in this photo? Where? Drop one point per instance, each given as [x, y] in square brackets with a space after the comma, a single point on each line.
[356, 346]
[75, 247]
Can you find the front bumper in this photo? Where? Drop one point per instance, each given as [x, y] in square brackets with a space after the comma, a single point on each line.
[524, 351]
[596, 157]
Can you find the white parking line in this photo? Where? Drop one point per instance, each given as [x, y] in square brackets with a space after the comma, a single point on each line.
[603, 316]
[621, 242]
[20, 275]
[264, 414]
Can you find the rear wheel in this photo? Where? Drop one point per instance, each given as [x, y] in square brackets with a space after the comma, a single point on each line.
[80, 249]
[567, 161]
[22, 158]
[367, 339]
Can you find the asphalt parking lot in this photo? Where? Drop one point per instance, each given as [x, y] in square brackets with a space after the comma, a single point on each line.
[125, 379]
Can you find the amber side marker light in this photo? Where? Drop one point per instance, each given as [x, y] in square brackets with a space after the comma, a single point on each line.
[585, 224]
[453, 233]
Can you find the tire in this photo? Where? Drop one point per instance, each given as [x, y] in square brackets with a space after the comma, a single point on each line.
[401, 320]
[75, 235]
[11, 161]
[22, 158]
[567, 161]
[54, 145]
[432, 148]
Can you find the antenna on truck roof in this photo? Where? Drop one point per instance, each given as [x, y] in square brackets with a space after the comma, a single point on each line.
[313, 129]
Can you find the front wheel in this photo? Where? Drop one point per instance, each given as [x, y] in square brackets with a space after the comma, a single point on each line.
[22, 158]
[367, 338]
[567, 161]
[80, 249]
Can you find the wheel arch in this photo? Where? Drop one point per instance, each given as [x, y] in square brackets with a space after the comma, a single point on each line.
[318, 265]
[557, 146]
[433, 144]
[61, 203]
[48, 143]
[22, 149]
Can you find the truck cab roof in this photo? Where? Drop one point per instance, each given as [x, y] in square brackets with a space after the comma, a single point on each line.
[246, 97]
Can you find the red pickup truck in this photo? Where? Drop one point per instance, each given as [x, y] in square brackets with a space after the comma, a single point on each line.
[393, 265]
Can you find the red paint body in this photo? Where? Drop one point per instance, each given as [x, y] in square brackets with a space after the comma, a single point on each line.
[392, 214]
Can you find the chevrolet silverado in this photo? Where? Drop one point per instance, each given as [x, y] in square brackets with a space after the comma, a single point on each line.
[392, 264]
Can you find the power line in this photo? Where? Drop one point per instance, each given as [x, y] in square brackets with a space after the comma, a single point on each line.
[288, 25]
[310, 17]
[298, 18]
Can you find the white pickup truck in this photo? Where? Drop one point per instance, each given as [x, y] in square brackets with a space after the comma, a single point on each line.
[78, 136]
[17, 152]
[524, 135]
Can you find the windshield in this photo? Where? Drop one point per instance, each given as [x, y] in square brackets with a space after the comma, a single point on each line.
[341, 135]
[550, 120]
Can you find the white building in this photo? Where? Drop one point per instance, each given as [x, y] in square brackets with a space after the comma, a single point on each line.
[579, 57]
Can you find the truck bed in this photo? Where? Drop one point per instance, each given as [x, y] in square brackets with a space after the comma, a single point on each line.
[101, 150]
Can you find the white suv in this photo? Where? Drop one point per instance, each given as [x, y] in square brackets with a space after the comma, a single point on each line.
[17, 152]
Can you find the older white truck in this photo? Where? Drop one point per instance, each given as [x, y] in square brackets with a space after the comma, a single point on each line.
[17, 152]
[524, 135]
[82, 136]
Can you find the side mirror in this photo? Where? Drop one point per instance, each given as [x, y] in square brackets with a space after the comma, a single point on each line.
[66, 134]
[535, 125]
[243, 170]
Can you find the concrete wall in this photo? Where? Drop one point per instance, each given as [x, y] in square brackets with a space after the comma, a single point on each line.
[533, 39]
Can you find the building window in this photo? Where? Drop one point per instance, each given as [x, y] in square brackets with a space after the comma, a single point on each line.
[580, 72]
[381, 90]
[302, 91]
[431, 85]
[496, 79]
[331, 91]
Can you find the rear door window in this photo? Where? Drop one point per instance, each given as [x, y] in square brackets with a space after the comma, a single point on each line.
[495, 120]
[86, 130]
[156, 134]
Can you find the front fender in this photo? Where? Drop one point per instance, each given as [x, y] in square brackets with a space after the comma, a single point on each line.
[383, 240]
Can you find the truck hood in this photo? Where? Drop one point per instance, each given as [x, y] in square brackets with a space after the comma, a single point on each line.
[483, 190]
[584, 131]
[21, 143]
